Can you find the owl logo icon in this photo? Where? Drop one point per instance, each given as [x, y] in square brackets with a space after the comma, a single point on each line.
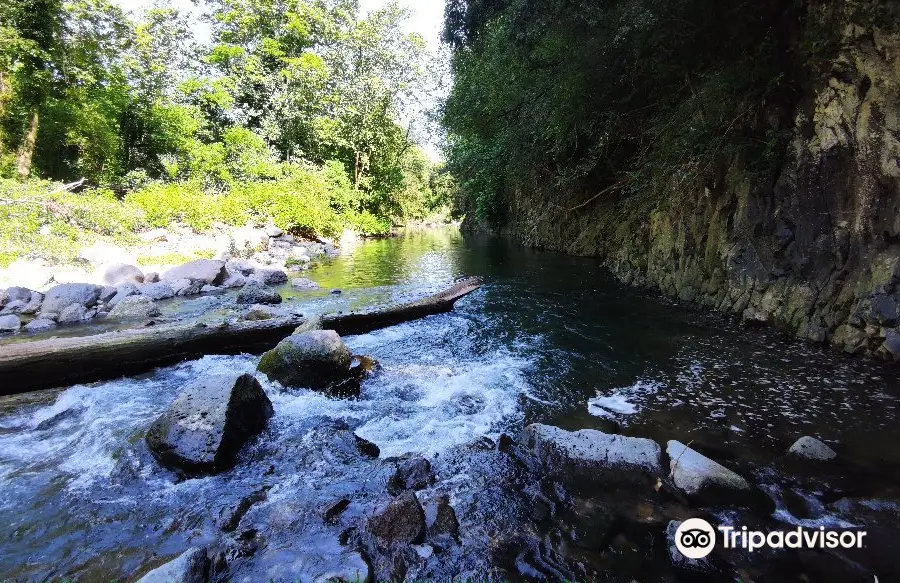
[695, 538]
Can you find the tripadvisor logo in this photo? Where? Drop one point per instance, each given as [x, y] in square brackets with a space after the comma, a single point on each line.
[696, 538]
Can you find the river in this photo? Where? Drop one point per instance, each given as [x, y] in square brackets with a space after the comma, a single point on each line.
[549, 338]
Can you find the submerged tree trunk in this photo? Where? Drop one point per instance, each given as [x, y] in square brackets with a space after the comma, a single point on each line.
[56, 362]
[26, 152]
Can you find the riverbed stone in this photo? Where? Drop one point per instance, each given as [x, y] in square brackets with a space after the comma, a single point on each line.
[121, 273]
[15, 293]
[812, 449]
[13, 307]
[445, 521]
[156, 291]
[706, 481]
[123, 291]
[10, 323]
[401, 523]
[259, 312]
[304, 283]
[312, 359]
[412, 473]
[353, 569]
[208, 271]
[186, 287]
[71, 314]
[592, 454]
[135, 308]
[208, 424]
[234, 280]
[107, 293]
[190, 567]
[256, 292]
[40, 325]
[66, 294]
[269, 276]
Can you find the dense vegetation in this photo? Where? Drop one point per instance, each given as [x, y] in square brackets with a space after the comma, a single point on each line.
[292, 112]
[623, 99]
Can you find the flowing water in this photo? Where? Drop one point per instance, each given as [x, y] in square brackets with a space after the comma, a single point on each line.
[549, 338]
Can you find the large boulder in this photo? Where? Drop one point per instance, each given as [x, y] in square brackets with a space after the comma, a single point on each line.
[593, 454]
[257, 293]
[15, 293]
[72, 314]
[312, 359]
[269, 276]
[40, 325]
[208, 271]
[121, 273]
[401, 523]
[708, 482]
[304, 283]
[413, 473]
[812, 449]
[66, 294]
[10, 323]
[20, 300]
[208, 424]
[134, 308]
[156, 291]
[192, 566]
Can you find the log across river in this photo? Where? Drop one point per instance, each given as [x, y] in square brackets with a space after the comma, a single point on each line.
[58, 362]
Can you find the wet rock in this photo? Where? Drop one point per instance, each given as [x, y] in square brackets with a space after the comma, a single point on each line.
[336, 292]
[234, 519]
[708, 482]
[885, 310]
[812, 449]
[40, 325]
[207, 425]
[9, 324]
[257, 293]
[107, 293]
[304, 283]
[134, 308]
[121, 273]
[259, 312]
[354, 569]
[592, 454]
[413, 473]
[401, 523]
[186, 287]
[66, 294]
[191, 567]
[314, 323]
[210, 289]
[312, 359]
[684, 565]
[13, 307]
[445, 521]
[240, 266]
[71, 314]
[366, 447]
[122, 292]
[332, 513]
[891, 343]
[208, 271]
[156, 291]
[269, 276]
[234, 280]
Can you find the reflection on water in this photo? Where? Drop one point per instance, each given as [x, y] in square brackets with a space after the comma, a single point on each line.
[549, 338]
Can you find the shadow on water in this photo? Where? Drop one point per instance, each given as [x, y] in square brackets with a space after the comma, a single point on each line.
[549, 338]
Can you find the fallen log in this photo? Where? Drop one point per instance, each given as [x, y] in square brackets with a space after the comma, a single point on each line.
[57, 362]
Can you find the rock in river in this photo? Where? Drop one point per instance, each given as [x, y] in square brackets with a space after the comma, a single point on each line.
[66, 294]
[812, 449]
[413, 473]
[122, 273]
[134, 308]
[257, 293]
[312, 359]
[593, 454]
[10, 323]
[402, 522]
[207, 425]
[191, 567]
[209, 271]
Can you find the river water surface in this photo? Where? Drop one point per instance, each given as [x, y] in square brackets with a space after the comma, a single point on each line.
[549, 338]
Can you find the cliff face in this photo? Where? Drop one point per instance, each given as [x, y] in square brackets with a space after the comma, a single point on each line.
[817, 253]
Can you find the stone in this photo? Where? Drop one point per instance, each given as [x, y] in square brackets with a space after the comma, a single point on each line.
[336, 292]
[885, 310]
[40, 325]
[709, 482]
[123, 291]
[156, 291]
[273, 231]
[304, 283]
[135, 308]
[593, 454]
[107, 293]
[208, 271]
[186, 287]
[121, 273]
[366, 447]
[15, 293]
[353, 569]
[259, 312]
[812, 449]
[234, 280]
[192, 566]
[208, 424]
[71, 314]
[312, 359]
[10, 323]
[413, 473]
[401, 523]
[445, 521]
[210, 289]
[66, 294]
[891, 343]
[257, 293]
[331, 514]
[268, 276]
[240, 266]
[151, 277]
[14, 307]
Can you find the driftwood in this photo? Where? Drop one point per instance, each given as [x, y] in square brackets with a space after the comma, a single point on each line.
[57, 362]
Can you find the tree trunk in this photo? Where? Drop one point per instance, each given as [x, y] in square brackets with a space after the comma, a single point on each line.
[56, 362]
[26, 153]
[356, 173]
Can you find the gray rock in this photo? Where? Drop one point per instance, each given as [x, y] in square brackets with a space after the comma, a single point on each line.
[15, 293]
[892, 343]
[34, 304]
[413, 473]
[156, 291]
[708, 482]
[304, 283]
[208, 271]
[14, 307]
[445, 521]
[259, 312]
[40, 325]
[10, 323]
[107, 293]
[151, 277]
[885, 310]
[66, 294]
[186, 287]
[210, 289]
[192, 566]
[52, 316]
[353, 569]
[208, 424]
[123, 291]
[401, 523]
[240, 266]
[593, 454]
[122, 273]
[134, 308]
[72, 314]
[312, 359]
[257, 293]
[268, 276]
[812, 449]
[235, 280]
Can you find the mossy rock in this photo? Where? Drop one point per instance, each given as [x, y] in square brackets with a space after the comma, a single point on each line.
[312, 359]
